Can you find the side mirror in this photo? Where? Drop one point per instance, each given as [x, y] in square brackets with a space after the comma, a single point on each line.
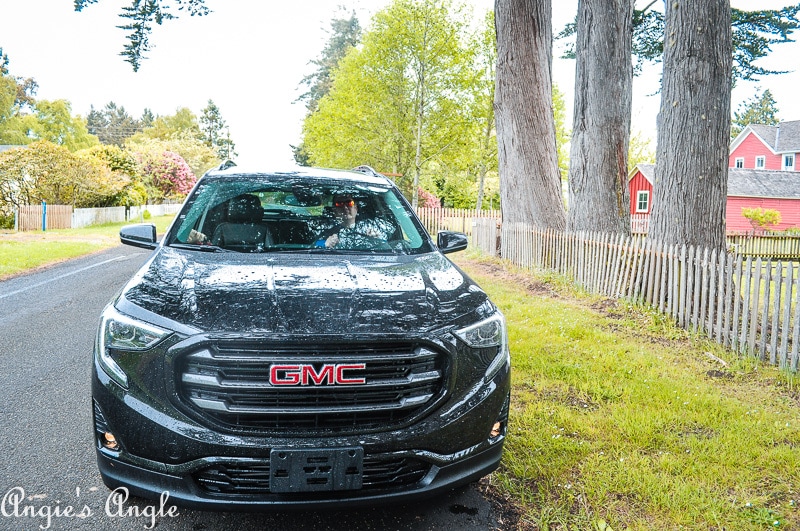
[450, 242]
[142, 235]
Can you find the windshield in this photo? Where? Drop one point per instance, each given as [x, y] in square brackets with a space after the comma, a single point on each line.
[254, 214]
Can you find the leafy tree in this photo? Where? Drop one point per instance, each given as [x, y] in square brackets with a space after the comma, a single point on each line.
[47, 172]
[562, 133]
[116, 158]
[753, 35]
[530, 181]
[3, 62]
[216, 133]
[53, 121]
[363, 120]
[598, 170]
[112, 124]
[758, 110]
[142, 14]
[640, 151]
[761, 218]
[25, 87]
[345, 33]
[16, 99]
[196, 153]
[183, 123]
[694, 126]
[428, 33]
[8, 92]
[179, 133]
[483, 115]
[147, 118]
[398, 102]
[300, 155]
[125, 167]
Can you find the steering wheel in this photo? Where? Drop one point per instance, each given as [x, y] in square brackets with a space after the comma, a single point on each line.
[369, 243]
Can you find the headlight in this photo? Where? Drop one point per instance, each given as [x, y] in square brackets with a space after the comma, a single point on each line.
[489, 333]
[122, 333]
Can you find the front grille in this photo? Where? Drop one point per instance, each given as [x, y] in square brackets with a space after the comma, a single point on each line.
[229, 383]
[253, 477]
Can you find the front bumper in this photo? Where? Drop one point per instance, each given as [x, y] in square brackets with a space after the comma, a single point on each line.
[150, 480]
[161, 450]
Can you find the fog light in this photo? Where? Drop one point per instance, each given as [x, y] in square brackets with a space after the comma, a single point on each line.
[496, 429]
[110, 442]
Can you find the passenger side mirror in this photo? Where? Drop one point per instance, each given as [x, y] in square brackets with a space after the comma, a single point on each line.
[141, 235]
[450, 241]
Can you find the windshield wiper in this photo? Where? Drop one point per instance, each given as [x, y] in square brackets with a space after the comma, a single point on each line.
[202, 248]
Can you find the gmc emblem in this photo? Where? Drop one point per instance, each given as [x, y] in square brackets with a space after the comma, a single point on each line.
[307, 374]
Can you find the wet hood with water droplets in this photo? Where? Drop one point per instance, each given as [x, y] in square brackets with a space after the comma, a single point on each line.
[303, 294]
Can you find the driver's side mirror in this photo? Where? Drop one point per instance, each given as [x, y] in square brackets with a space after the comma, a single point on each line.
[450, 241]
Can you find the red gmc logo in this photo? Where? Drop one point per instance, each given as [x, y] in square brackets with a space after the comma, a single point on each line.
[306, 374]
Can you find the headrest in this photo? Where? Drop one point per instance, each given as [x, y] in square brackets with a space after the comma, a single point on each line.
[245, 208]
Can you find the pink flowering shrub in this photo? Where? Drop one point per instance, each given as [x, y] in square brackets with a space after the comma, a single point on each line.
[169, 174]
[427, 199]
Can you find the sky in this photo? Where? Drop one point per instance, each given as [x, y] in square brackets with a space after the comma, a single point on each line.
[250, 61]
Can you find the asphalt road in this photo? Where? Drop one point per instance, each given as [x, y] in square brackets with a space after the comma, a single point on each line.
[48, 477]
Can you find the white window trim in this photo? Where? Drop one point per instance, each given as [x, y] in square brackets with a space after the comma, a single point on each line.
[639, 195]
[787, 167]
[763, 160]
[738, 162]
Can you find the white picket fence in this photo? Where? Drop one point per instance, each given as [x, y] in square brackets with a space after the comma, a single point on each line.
[29, 217]
[745, 303]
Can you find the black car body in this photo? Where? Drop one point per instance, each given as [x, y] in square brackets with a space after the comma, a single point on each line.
[263, 369]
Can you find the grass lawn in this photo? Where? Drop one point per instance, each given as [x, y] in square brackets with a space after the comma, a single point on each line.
[620, 420]
[23, 251]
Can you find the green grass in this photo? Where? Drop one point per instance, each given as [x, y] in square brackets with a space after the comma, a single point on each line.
[23, 251]
[620, 420]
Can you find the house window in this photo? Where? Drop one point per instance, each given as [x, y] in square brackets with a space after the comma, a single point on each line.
[642, 201]
[761, 162]
[739, 162]
[788, 162]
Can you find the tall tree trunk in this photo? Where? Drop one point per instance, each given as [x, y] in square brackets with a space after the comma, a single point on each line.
[598, 168]
[530, 183]
[691, 174]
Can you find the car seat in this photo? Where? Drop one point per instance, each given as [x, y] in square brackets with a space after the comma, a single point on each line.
[244, 230]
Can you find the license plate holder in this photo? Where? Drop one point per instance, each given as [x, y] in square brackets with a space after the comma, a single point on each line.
[315, 470]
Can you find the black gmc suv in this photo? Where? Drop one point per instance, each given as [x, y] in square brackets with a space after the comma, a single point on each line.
[297, 339]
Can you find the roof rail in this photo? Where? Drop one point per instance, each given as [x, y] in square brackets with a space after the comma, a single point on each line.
[225, 165]
[368, 170]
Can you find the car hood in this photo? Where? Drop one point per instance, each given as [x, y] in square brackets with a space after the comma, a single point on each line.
[302, 294]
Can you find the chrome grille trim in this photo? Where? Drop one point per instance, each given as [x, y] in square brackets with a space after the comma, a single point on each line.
[227, 383]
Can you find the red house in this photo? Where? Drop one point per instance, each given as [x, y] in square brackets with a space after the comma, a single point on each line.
[747, 188]
[767, 147]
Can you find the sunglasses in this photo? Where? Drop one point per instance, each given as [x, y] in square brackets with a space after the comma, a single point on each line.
[346, 203]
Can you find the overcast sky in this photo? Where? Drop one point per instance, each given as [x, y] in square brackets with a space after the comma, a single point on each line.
[249, 57]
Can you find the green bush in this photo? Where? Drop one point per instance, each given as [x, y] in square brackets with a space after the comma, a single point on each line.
[6, 221]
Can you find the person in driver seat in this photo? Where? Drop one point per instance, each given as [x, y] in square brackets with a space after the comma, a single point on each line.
[345, 210]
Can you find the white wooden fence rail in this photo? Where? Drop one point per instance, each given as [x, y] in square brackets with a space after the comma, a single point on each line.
[745, 303]
[29, 217]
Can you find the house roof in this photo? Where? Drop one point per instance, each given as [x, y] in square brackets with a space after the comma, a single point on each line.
[781, 138]
[647, 170]
[763, 183]
[747, 182]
